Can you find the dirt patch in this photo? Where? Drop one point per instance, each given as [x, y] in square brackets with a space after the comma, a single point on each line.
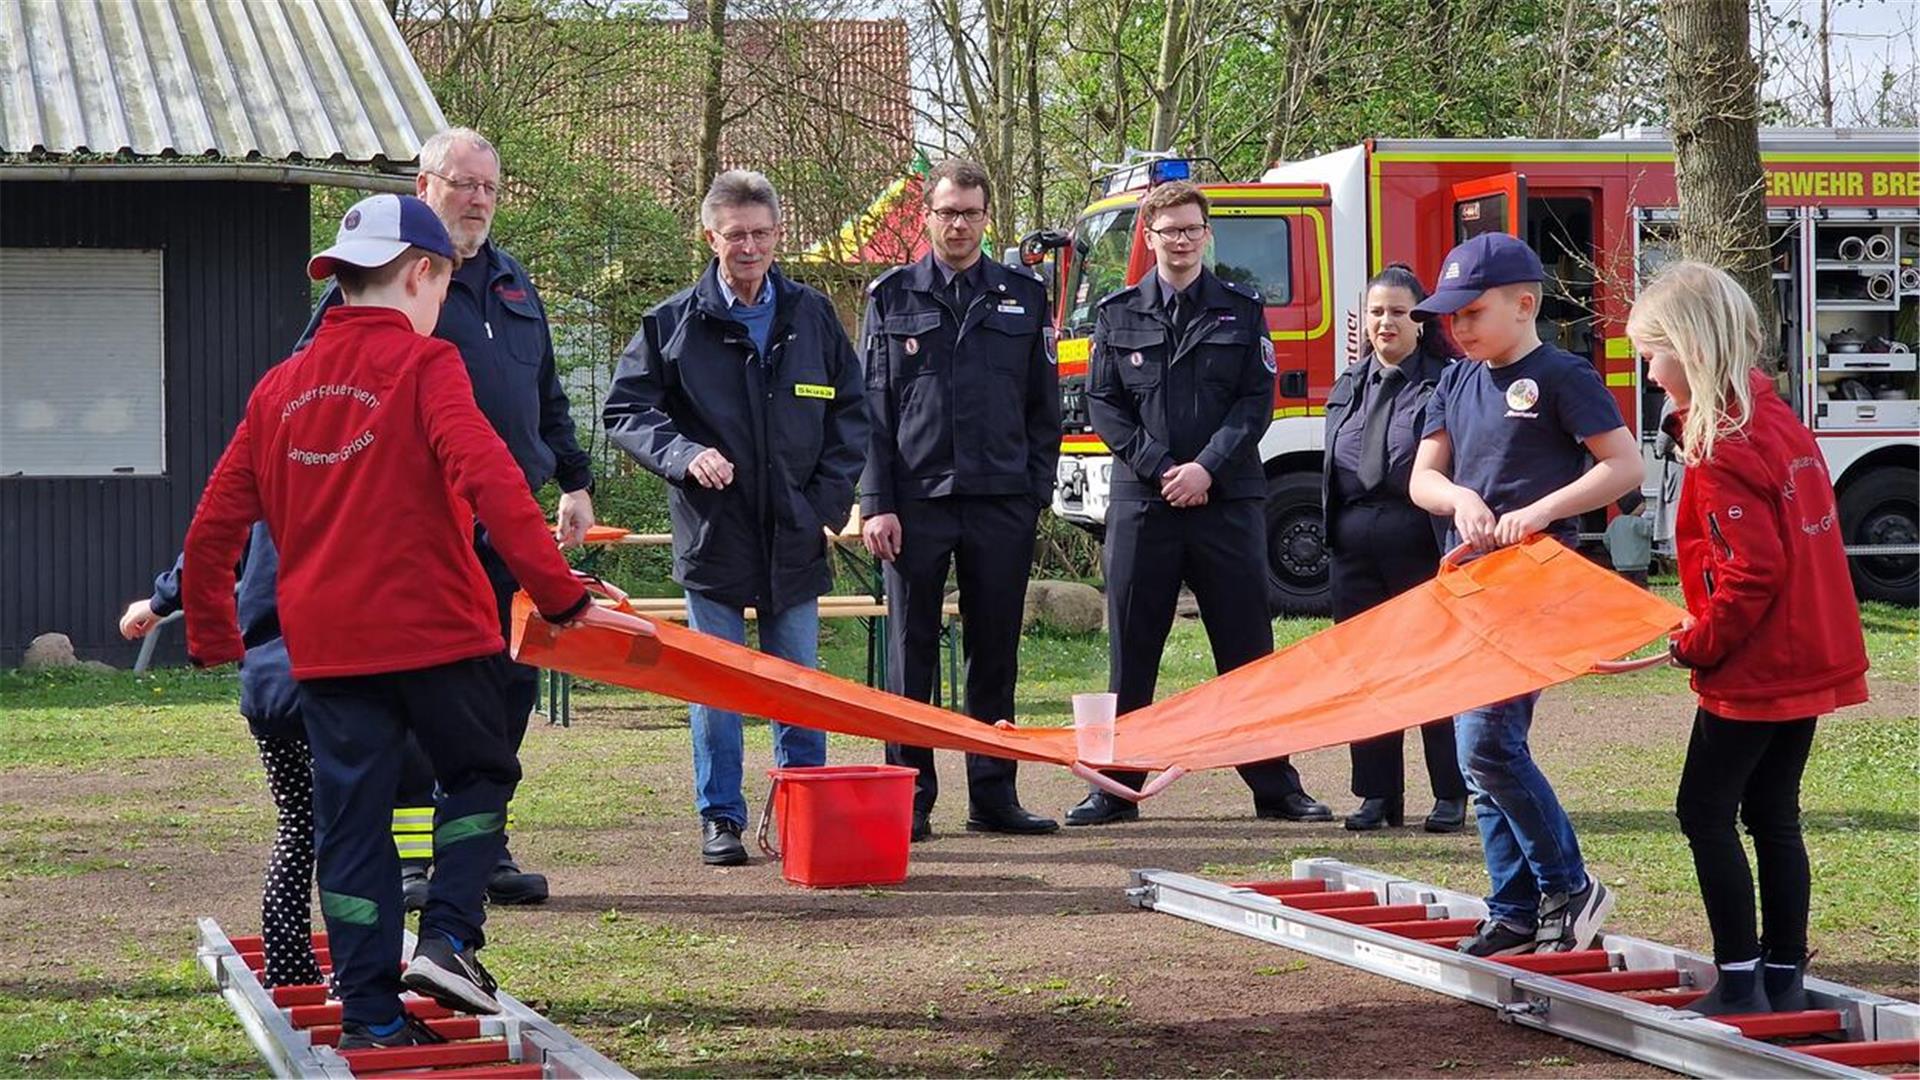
[997, 956]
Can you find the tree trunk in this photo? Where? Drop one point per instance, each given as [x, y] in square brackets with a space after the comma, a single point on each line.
[1166, 81]
[1714, 100]
[1036, 149]
[713, 93]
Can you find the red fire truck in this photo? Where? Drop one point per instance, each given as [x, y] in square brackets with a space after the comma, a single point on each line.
[1844, 208]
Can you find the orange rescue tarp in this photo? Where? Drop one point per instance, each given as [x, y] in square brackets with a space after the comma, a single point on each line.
[1519, 620]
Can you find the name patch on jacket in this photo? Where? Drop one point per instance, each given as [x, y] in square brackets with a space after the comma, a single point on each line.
[813, 390]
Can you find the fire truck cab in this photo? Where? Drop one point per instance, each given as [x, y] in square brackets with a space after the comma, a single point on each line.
[1844, 208]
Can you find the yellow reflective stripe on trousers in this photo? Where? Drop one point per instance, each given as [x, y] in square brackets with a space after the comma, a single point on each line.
[413, 831]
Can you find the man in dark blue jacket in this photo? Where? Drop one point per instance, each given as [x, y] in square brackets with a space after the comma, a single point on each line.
[494, 316]
[744, 393]
[965, 406]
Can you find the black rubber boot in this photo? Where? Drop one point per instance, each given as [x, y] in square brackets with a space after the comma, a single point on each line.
[1785, 985]
[1734, 992]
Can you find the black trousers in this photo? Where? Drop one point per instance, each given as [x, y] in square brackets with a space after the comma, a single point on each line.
[1380, 550]
[1216, 550]
[989, 542]
[520, 687]
[356, 727]
[1751, 769]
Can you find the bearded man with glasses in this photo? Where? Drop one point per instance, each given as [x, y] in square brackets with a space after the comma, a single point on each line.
[1180, 387]
[744, 393]
[965, 408]
[494, 316]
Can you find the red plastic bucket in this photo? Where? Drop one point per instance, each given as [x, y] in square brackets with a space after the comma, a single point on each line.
[841, 825]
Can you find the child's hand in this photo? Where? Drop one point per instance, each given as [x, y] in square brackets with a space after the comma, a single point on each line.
[1516, 525]
[139, 620]
[609, 619]
[1472, 520]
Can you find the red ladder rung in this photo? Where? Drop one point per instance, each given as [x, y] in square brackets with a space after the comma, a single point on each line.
[491, 1072]
[1559, 963]
[257, 961]
[1882, 1052]
[1290, 887]
[478, 1052]
[285, 996]
[1618, 981]
[1381, 913]
[1324, 901]
[1430, 929]
[1786, 1025]
[255, 943]
[302, 1016]
[1675, 999]
[458, 1027]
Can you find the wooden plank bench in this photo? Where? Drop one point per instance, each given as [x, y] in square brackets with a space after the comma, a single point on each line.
[870, 609]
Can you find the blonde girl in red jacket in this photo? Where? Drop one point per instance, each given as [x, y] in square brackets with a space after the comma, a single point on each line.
[1774, 640]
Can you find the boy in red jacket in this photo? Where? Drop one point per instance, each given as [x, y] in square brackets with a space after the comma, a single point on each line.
[1775, 636]
[368, 460]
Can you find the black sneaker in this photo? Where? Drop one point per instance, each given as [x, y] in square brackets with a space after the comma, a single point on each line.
[414, 1032]
[454, 979]
[1495, 938]
[1570, 922]
[414, 885]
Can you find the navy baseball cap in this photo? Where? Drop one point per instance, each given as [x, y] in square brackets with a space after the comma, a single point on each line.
[1472, 268]
[377, 230]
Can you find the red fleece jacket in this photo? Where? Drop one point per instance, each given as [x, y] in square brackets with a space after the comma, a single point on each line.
[368, 460]
[1764, 570]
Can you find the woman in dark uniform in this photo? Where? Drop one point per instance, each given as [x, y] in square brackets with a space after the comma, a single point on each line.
[1382, 544]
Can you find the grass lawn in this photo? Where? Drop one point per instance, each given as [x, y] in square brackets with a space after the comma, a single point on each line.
[127, 806]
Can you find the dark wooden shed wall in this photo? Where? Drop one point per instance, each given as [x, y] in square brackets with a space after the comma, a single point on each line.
[74, 551]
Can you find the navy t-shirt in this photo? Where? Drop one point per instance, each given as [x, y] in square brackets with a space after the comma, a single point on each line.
[1519, 431]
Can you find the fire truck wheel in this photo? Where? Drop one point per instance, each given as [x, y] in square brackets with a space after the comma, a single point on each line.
[1296, 546]
[1883, 507]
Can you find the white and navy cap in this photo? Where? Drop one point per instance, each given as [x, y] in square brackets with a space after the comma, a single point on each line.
[377, 230]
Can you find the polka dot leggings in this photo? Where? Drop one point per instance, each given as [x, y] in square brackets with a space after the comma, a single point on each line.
[286, 918]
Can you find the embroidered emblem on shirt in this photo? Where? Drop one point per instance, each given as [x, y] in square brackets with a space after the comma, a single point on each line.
[813, 390]
[1523, 395]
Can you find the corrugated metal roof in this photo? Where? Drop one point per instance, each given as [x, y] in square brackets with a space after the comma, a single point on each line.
[259, 80]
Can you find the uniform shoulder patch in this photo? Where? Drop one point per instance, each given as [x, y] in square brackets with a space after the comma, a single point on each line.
[874, 285]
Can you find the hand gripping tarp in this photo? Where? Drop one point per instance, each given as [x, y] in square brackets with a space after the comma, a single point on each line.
[1519, 620]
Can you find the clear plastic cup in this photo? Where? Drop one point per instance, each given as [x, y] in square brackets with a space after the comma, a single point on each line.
[1093, 725]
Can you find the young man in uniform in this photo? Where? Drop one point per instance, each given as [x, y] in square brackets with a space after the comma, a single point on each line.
[965, 407]
[1181, 388]
[743, 393]
[383, 638]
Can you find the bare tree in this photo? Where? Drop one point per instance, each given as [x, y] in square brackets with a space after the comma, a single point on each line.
[1713, 101]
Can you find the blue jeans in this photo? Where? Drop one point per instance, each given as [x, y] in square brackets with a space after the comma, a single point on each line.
[793, 634]
[1526, 837]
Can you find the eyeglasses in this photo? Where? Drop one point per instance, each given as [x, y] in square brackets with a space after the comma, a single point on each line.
[760, 237]
[948, 215]
[467, 186]
[1180, 232]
